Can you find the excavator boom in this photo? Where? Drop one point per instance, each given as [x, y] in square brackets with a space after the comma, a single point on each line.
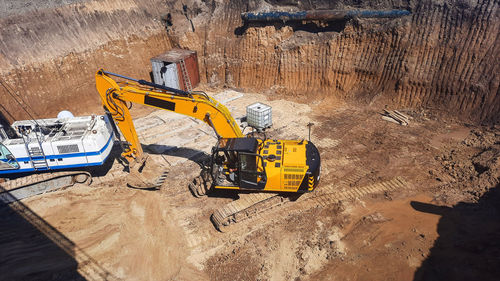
[115, 95]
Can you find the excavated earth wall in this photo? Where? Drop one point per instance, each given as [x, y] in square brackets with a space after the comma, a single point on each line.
[443, 56]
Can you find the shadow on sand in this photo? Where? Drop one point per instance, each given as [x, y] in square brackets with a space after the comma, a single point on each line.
[468, 246]
[32, 249]
[191, 154]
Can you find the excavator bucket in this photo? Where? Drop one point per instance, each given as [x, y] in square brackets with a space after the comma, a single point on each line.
[144, 175]
[201, 184]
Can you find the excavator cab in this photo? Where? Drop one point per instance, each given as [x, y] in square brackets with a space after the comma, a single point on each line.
[237, 165]
[265, 165]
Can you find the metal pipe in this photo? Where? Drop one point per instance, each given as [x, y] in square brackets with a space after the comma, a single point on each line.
[322, 15]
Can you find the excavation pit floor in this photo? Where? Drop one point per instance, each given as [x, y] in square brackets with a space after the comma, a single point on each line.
[389, 200]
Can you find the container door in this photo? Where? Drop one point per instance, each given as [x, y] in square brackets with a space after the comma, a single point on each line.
[157, 66]
[170, 76]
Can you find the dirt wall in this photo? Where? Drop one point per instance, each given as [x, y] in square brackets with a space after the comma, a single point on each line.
[50, 55]
[443, 56]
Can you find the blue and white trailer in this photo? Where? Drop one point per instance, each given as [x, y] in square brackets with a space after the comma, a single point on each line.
[54, 151]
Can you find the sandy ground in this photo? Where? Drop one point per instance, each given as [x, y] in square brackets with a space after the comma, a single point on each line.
[388, 230]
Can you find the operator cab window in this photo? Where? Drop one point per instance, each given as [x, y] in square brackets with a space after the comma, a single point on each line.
[7, 160]
[231, 158]
[252, 174]
[248, 162]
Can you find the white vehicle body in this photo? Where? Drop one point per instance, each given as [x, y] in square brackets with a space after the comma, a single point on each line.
[55, 144]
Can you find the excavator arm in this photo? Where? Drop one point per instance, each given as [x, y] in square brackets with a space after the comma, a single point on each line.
[115, 95]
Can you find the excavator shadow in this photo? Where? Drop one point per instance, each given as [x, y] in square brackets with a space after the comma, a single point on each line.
[191, 154]
[224, 193]
[199, 157]
[201, 183]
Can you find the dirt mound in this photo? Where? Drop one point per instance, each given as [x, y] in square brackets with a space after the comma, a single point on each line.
[282, 251]
[472, 168]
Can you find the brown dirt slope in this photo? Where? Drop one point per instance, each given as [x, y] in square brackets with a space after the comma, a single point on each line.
[443, 56]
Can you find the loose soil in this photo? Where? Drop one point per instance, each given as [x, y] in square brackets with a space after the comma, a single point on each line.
[394, 202]
[442, 225]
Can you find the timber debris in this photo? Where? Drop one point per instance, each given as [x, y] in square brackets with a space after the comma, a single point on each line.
[396, 117]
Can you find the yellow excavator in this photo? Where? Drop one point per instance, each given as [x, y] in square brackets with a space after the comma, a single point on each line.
[237, 162]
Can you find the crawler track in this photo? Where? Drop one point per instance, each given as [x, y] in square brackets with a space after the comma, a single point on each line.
[323, 199]
[249, 206]
[21, 188]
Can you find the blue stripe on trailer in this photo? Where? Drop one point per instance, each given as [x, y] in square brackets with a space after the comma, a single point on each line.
[56, 168]
[63, 156]
[71, 155]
